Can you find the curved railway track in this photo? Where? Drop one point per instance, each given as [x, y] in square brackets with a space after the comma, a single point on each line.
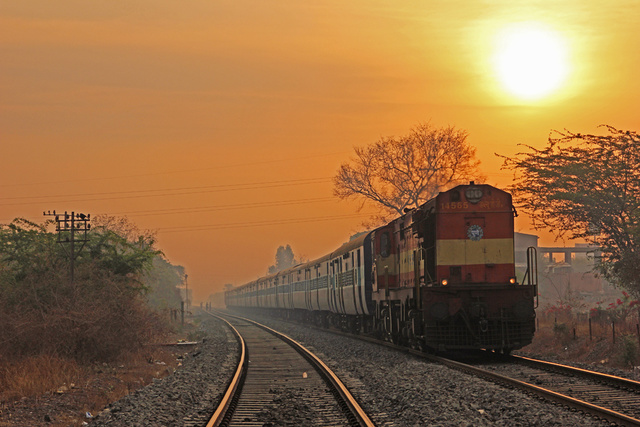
[274, 371]
[607, 397]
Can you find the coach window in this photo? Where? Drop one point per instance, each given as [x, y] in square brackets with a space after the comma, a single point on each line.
[455, 196]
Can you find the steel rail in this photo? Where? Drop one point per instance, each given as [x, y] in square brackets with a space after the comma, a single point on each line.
[220, 415]
[604, 413]
[611, 379]
[613, 416]
[345, 395]
[345, 399]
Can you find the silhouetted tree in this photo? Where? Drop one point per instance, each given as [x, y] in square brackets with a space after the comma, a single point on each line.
[404, 172]
[284, 259]
[162, 282]
[587, 186]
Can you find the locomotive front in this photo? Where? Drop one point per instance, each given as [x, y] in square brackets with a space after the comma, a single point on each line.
[471, 297]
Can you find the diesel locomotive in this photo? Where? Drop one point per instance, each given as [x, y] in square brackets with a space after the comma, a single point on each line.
[441, 277]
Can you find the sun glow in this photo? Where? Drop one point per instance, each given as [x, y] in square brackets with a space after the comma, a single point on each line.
[530, 60]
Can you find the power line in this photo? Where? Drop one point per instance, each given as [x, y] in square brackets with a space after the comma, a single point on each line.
[236, 225]
[237, 165]
[200, 209]
[168, 192]
[169, 189]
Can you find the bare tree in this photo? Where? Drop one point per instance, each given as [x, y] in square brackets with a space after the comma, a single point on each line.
[404, 172]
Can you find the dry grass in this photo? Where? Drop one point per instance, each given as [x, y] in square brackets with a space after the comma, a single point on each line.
[36, 375]
[32, 388]
[570, 340]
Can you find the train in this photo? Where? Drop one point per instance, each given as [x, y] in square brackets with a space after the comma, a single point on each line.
[441, 277]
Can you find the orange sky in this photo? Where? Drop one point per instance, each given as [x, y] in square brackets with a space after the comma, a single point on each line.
[220, 123]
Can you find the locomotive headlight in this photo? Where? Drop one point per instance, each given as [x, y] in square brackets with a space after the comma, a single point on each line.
[473, 194]
[444, 282]
[513, 280]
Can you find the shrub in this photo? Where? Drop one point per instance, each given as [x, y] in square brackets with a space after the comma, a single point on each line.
[95, 317]
[628, 351]
[561, 329]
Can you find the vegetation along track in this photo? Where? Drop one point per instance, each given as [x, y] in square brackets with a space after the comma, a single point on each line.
[279, 380]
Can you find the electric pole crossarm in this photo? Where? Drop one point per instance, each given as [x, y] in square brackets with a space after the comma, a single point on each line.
[67, 225]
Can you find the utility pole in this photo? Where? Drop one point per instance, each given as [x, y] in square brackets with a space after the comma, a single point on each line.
[186, 290]
[67, 227]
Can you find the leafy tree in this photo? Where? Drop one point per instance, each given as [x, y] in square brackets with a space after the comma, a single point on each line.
[162, 282]
[284, 259]
[587, 186]
[22, 245]
[120, 247]
[404, 172]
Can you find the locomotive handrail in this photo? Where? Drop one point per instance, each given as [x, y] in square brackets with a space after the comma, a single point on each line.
[531, 275]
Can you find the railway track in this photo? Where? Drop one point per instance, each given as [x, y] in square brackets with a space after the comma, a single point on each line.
[607, 397]
[603, 396]
[277, 375]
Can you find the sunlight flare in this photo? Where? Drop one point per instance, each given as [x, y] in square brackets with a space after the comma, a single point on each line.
[530, 60]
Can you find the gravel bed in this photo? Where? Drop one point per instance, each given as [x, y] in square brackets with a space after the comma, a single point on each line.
[397, 389]
[186, 397]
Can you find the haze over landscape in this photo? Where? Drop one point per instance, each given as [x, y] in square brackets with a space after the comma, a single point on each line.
[220, 124]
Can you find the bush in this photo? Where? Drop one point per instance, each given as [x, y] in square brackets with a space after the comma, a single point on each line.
[95, 317]
[628, 351]
[561, 329]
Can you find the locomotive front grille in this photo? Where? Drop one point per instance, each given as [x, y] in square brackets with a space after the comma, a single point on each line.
[494, 334]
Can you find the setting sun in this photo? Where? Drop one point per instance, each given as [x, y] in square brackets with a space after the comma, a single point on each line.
[530, 60]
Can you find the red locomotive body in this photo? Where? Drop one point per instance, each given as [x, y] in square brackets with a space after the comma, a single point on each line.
[446, 276]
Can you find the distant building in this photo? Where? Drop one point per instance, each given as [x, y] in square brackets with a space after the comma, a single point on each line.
[521, 242]
[564, 272]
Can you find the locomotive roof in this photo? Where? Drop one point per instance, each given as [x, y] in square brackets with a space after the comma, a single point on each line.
[472, 184]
